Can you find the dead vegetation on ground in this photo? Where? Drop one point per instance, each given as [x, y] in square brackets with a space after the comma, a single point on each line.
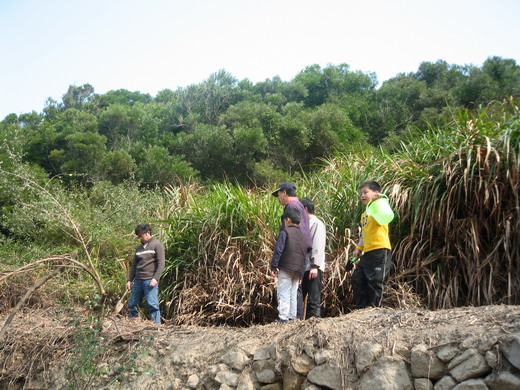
[38, 341]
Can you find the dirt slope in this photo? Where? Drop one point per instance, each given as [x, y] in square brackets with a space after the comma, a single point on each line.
[41, 350]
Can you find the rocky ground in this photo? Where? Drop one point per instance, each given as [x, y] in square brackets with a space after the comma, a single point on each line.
[471, 347]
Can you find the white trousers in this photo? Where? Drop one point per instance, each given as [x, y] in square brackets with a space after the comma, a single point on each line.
[287, 292]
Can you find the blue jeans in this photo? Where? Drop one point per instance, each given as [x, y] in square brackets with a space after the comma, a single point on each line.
[141, 288]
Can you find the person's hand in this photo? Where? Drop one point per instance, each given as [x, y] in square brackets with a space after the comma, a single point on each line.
[313, 273]
[356, 253]
[273, 273]
[350, 263]
[153, 282]
[128, 285]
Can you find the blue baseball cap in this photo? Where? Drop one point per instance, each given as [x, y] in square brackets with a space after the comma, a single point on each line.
[283, 187]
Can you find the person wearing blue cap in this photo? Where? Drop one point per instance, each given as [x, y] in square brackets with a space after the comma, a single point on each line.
[287, 196]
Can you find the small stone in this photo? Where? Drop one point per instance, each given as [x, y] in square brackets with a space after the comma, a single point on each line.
[448, 352]
[235, 359]
[193, 381]
[216, 368]
[249, 347]
[470, 342]
[445, 383]
[227, 378]
[212, 370]
[327, 376]
[262, 354]
[491, 359]
[366, 354]
[424, 364]
[302, 364]
[272, 386]
[321, 356]
[504, 380]
[309, 349]
[423, 384]
[510, 347]
[264, 370]
[487, 344]
[273, 352]
[175, 383]
[292, 381]
[245, 381]
[403, 350]
[389, 373]
[471, 384]
[468, 365]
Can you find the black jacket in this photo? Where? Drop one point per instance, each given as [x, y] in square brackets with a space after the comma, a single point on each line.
[290, 251]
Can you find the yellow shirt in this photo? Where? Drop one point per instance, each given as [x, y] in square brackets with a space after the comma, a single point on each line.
[373, 235]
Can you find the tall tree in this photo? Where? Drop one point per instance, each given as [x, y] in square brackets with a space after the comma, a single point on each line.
[83, 153]
[77, 97]
[123, 96]
[158, 168]
[209, 149]
[505, 74]
[333, 82]
[120, 124]
[117, 166]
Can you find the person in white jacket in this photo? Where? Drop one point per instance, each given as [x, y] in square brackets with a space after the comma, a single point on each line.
[312, 279]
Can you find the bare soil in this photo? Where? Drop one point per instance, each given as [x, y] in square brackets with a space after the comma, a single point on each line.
[40, 344]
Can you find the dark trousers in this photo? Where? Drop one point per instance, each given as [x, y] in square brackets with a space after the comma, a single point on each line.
[312, 290]
[370, 276]
[299, 303]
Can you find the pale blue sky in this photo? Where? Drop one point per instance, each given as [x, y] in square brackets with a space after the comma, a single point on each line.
[150, 45]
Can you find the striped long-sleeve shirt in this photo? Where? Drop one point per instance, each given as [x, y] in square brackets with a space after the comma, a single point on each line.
[148, 261]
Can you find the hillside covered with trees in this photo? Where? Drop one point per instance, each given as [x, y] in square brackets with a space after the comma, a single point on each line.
[199, 164]
[224, 128]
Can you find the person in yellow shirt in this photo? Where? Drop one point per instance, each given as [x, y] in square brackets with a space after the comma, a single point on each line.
[374, 265]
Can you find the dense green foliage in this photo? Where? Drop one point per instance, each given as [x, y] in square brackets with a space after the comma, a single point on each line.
[224, 128]
[77, 178]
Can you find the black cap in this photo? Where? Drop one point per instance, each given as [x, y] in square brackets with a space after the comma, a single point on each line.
[283, 187]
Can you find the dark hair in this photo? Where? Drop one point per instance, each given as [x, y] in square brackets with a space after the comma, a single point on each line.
[143, 228]
[289, 191]
[294, 214]
[308, 204]
[373, 185]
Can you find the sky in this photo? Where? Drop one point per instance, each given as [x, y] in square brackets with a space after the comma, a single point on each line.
[151, 45]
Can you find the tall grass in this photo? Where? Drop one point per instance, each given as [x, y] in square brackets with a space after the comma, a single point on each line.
[456, 235]
[219, 247]
[461, 210]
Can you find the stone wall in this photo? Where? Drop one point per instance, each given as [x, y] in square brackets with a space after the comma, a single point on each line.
[370, 349]
[473, 364]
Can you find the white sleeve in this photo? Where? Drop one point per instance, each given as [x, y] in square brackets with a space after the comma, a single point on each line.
[319, 240]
